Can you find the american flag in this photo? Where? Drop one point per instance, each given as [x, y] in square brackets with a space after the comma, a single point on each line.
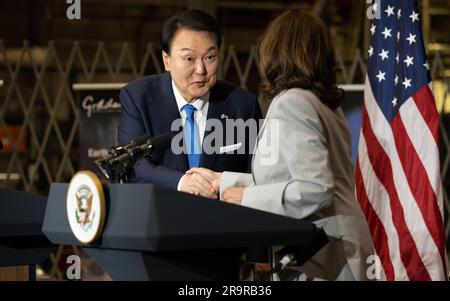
[398, 183]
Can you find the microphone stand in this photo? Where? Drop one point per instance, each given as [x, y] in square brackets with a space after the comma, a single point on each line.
[118, 170]
[118, 166]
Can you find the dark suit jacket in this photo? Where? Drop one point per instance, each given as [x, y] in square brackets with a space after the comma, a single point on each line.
[149, 107]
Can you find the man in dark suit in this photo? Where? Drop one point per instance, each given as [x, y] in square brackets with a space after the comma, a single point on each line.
[191, 93]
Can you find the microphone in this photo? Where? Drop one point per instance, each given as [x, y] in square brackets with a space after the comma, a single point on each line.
[116, 151]
[104, 163]
[140, 151]
[123, 157]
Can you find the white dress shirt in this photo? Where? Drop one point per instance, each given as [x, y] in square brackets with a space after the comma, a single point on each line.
[200, 116]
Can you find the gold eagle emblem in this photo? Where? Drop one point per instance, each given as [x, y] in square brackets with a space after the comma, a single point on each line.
[84, 205]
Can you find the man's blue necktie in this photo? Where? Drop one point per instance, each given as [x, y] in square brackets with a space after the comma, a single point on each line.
[191, 136]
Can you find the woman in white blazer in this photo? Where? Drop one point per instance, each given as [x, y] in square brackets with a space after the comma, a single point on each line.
[301, 166]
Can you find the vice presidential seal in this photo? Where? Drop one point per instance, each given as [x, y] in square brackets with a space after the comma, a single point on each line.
[86, 206]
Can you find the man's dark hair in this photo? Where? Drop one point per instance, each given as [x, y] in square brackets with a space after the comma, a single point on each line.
[196, 20]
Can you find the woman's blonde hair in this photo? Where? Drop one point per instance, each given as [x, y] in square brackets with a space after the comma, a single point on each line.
[296, 51]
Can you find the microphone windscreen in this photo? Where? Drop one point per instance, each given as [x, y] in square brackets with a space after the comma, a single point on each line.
[161, 142]
[139, 140]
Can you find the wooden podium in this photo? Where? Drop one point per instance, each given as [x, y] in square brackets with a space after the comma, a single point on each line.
[22, 243]
[20, 273]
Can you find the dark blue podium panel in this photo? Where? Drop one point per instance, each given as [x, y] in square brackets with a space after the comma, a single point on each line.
[150, 218]
[21, 239]
[154, 233]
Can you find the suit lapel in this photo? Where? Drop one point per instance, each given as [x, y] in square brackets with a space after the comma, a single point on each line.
[218, 110]
[164, 111]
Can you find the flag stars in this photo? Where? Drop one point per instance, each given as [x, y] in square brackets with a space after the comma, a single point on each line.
[394, 102]
[397, 58]
[381, 76]
[384, 54]
[406, 83]
[386, 33]
[398, 36]
[370, 51]
[411, 39]
[414, 17]
[409, 61]
[373, 29]
[427, 66]
[396, 80]
[399, 14]
[390, 10]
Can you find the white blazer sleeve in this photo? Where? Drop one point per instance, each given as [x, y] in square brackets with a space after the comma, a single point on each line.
[303, 149]
[235, 179]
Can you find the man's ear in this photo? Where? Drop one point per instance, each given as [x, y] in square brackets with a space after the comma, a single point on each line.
[166, 60]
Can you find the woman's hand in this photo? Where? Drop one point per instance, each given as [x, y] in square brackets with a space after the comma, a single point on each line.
[233, 195]
[209, 175]
[196, 184]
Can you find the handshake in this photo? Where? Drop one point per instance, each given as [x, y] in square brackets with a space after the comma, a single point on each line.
[206, 182]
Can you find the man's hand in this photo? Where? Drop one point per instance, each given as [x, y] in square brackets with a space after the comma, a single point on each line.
[233, 195]
[207, 174]
[194, 183]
